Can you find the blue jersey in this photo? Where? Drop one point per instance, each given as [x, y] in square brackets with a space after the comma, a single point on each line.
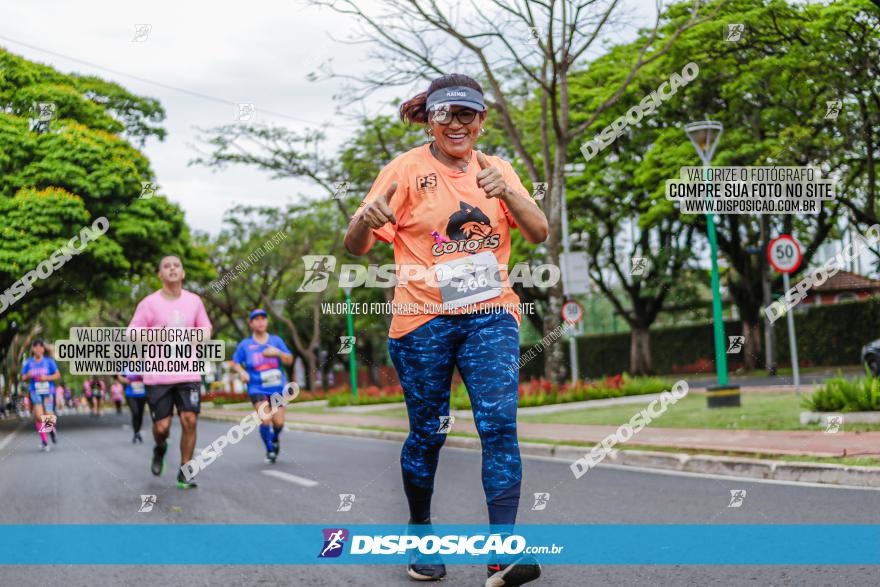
[45, 366]
[135, 386]
[266, 373]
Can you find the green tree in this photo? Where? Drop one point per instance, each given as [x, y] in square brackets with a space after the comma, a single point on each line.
[259, 256]
[770, 91]
[59, 177]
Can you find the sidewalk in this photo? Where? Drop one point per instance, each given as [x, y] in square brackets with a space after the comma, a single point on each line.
[768, 442]
[554, 408]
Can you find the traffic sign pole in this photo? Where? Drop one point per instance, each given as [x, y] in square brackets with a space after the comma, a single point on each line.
[785, 256]
[792, 343]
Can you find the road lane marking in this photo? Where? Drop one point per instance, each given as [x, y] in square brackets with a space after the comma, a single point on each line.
[649, 470]
[291, 478]
[10, 436]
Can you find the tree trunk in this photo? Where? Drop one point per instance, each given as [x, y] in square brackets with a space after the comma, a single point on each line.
[640, 351]
[311, 369]
[554, 355]
[752, 345]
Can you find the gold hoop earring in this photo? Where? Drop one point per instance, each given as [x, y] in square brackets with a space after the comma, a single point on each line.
[482, 131]
[429, 131]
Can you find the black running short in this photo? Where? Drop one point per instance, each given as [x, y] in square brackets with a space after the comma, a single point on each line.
[263, 397]
[163, 398]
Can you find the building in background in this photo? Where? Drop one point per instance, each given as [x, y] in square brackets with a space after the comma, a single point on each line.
[843, 286]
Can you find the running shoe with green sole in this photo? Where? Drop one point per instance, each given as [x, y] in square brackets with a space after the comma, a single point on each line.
[182, 483]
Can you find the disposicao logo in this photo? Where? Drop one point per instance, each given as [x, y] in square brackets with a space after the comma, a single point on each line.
[334, 540]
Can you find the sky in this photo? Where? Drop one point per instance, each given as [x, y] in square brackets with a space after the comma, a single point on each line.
[205, 57]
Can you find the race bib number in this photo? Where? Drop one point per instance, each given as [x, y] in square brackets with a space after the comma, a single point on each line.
[138, 387]
[270, 378]
[41, 387]
[469, 280]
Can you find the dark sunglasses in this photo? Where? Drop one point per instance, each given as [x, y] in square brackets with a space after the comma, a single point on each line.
[444, 116]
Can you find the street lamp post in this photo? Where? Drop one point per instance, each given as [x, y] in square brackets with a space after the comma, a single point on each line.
[352, 364]
[704, 135]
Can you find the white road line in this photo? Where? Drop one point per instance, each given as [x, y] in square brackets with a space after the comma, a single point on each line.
[10, 436]
[672, 472]
[291, 478]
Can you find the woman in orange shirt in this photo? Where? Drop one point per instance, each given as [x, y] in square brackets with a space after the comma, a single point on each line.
[448, 210]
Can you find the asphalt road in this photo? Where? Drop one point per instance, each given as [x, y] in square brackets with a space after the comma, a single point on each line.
[95, 475]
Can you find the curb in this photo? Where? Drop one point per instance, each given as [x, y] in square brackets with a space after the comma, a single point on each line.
[588, 404]
[825, 418]
[829, 474]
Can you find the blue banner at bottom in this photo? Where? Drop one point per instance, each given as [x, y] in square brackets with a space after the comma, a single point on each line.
[617, 544]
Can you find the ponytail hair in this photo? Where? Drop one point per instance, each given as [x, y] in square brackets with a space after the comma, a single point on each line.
[414, 109]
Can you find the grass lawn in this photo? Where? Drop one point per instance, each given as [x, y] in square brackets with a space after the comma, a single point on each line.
[759, 411]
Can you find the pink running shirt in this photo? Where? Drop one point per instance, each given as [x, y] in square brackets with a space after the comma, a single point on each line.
[187, 311]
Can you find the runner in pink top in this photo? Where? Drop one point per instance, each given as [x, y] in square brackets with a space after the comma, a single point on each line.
[158, 311]
[172, 307]
[116, 395]
[94, 389]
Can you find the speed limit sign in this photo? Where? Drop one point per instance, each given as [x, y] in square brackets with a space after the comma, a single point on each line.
[572, 312]
[784, 254]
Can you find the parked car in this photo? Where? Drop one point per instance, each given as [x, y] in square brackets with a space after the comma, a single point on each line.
[871, 357]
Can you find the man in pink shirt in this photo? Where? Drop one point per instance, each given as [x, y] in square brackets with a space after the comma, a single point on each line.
[172, 307]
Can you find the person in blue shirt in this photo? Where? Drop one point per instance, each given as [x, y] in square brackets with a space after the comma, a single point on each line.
[42, 372]
[136, 398]
[258, 361]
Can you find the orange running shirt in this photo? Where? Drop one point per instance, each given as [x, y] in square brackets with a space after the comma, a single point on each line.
[432, 197]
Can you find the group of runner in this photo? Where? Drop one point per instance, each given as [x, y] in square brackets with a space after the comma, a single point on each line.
[258, 360]
[444, 191]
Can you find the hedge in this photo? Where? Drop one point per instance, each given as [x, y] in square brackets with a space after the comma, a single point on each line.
[827, 335]
[831, 335]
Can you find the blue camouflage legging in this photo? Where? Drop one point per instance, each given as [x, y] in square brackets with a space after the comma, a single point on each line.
[485, 347]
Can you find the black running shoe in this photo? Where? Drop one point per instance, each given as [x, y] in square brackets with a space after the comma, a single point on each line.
[134, 439]
[423, 567]
[520, 571]
[182, 483]
[157, 467]
[271, 457]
